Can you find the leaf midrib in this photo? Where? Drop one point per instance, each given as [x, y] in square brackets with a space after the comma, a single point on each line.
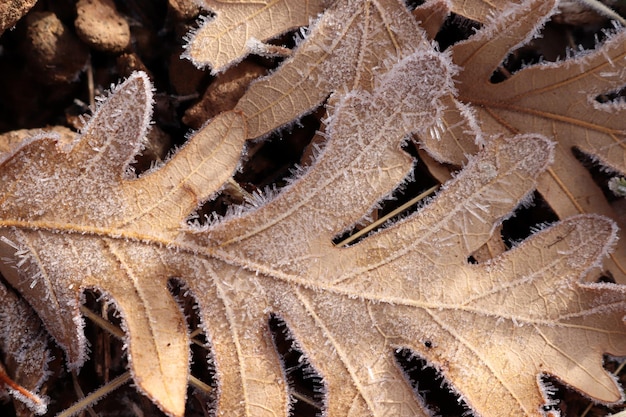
[220, 255]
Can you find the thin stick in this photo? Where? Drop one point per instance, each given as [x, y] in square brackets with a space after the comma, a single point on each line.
[196, 332]
[90, 87]
[80, 394]
[383, 219]
[306, 400]
[239, 189]
[95, 396]
[586, 410]
[100, 322]
[196, 383]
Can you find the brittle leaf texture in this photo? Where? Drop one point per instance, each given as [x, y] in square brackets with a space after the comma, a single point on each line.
[530, 101]
[240, 26]
[69, 212]
[345, 48]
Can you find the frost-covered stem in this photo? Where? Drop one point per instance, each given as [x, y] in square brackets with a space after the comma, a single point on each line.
[388, 216]
[96, 396]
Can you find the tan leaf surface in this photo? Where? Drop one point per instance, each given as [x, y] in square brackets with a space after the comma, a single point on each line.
[79, 222]
[344, 49]
[84, 182]
[431, 16]
[553, 99]
[240, 26]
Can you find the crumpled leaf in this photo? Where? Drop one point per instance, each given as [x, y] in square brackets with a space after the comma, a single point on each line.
[79, 222]
[533, 100]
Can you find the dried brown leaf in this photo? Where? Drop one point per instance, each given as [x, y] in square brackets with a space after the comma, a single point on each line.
[73, 218]
[79, 222]
[344, 49]
[86, 180]
[431, 16]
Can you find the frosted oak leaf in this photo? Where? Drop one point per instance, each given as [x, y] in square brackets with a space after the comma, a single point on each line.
[25, 355]
[79, 221]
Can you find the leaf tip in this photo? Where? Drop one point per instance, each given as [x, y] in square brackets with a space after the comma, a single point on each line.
[532, 152]
[603, 229]
[203, 49]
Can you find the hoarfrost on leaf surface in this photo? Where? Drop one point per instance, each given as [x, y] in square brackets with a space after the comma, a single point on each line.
[493, 328]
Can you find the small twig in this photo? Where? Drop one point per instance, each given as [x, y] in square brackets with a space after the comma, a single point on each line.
[196, 332]
[102, 323]
[586, 410]
[80, 394]
[383, 219]
[196, 383]
[90, 87]
[246, 195]
[106, 347]
[303, 398]
[95, 396]
[22, 393]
